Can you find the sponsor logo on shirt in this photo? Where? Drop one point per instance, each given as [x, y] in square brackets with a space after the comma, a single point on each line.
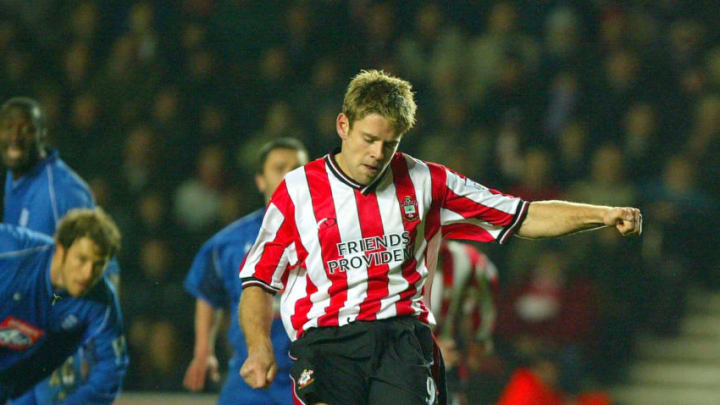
[18, 335]
[371, 251]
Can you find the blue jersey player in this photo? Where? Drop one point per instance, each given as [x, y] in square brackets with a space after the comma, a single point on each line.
[39, 189]
[54, 298]
[213, 280]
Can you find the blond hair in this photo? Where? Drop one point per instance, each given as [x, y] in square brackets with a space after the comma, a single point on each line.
[374, 91]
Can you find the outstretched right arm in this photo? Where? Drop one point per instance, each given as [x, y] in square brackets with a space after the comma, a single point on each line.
[255, 312]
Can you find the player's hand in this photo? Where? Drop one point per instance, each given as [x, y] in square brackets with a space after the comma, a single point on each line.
[259, 368]
[199, 369]
[628, 221]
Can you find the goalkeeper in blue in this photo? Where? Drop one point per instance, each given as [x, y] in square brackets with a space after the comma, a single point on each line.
[213, 280]
[54, 299]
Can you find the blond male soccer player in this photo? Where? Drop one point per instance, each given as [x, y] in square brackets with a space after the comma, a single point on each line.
[349, 240]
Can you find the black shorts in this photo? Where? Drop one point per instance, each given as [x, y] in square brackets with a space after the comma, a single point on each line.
[386, 362]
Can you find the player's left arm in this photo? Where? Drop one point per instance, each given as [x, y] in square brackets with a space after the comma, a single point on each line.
[104, 382]
[555, 218]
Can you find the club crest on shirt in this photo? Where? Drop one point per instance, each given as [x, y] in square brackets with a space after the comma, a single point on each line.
[409, 208]
[305, 378]
[18, 335]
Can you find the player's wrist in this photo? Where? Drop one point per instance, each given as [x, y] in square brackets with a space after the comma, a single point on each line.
[609, 216]
[260, 348]
[202, 354]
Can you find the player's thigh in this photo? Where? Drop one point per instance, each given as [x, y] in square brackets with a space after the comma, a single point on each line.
[385, 393]
[330, 379]
[406, 374]
[332, 366]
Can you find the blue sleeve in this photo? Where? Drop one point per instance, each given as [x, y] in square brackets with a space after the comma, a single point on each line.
[204, 280]
[9, 239]
[13, 238]
[105, 379]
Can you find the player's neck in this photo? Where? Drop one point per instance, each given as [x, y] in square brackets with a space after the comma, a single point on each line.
[340, 160]
[35, 159]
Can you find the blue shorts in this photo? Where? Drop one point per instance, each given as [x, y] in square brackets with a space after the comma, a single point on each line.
[235, 391]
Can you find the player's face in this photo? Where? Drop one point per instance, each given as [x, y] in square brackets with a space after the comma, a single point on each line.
[278, 162]
[367, 147]
[82, 266]
[19, 140]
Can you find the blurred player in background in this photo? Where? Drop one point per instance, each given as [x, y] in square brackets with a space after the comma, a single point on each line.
[349, 239]
[39, 189]
[213, 280]
[54, 298]
[463, 298]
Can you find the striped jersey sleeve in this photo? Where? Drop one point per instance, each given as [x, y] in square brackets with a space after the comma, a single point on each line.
[274, 251]
[471, 211]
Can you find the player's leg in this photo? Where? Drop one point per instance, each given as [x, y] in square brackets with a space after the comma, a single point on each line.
[408, 368]
[332, 366]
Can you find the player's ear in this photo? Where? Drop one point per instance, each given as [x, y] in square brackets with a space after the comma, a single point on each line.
[343, 126]
[60, 251]
[260, 182]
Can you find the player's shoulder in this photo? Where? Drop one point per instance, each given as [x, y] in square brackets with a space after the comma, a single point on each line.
[298, 174]
[415, 164]
[63, 172]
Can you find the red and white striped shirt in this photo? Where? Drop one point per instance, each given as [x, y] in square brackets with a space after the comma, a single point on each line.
[463, 292]
[342, 252]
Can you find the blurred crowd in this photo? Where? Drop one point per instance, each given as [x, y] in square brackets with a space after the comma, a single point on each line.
[161, 107]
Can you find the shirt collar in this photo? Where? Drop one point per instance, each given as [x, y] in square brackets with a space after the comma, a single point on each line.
[337, 171]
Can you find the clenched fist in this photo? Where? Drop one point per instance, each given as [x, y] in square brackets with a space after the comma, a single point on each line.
[627, 220]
